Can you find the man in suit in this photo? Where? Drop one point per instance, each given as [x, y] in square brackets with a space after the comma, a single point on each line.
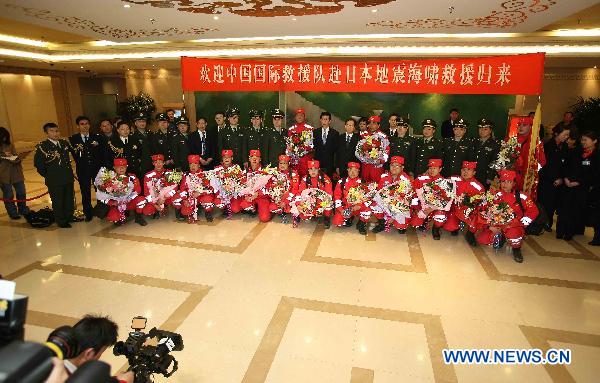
[140, 135]
[273, 140]
[393, 125]
[217, 130]
[448, 125]
[86, 149]
[346, 148]
[122, 145]
[53, 163]
[325, 141]
[203, 143]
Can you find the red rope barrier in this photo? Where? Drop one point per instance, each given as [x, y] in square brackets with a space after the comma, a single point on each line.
[23, 200]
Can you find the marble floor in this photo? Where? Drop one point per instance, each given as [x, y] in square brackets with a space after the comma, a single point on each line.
[268, 303]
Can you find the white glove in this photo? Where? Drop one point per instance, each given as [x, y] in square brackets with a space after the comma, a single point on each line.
[526, 221]
[421, 214]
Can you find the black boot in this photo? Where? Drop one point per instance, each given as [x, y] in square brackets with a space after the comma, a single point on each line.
[361, 227]
[435, 232]
[156, 215]
[454, 233]
[139, 219]
[326, 222]
[401, 231]
[349, 222]
[179, 216]
[470, 237]
[379, 227]
[208, 215]
[517, 256]
[596, 240]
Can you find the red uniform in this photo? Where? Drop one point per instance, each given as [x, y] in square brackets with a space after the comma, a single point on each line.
[515, 230]
[302, 166]
[190, 203]
[149, 178]
[259, 203]
[137, 203]
[321, 182]
[343, 210]
[470, 187]
[386, 180]
[370, 172]
[234, 203]
[418, 215]
[288, 196]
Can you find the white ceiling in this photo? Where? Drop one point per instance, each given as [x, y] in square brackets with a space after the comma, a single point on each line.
[195, 19]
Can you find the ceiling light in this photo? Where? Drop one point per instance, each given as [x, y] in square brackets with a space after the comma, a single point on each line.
[126, 6]
[23, 41]
[374, 10]
[577, 32]
[216, 17]
[294, 19]
[595, 67]
[81, 67]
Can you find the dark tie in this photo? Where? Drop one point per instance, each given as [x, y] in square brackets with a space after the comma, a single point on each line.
[347, 138]
[126, 141]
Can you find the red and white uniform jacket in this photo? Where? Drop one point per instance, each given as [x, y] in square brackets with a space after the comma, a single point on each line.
[523, 215]
[469, 187]
[321, 182]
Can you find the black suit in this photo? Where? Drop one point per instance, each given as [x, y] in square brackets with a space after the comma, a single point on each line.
[346, 152]
[448, 129]
[206, 148]
[88, 159]
[131, 151]
[325, 151]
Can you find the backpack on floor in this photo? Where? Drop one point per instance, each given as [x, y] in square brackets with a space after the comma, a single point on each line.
[41, 218]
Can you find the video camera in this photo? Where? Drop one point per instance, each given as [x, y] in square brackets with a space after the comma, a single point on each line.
[146, 360]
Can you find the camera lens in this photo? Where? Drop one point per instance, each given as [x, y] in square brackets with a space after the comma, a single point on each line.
[63, 342]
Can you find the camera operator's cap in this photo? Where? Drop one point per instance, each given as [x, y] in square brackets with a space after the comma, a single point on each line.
[525, 121]
[284, 157]
[397, 160]
[194, 159]
[227, 153]
[156, 157]
[300, 111]
[314, 164]
[376, 119]
[354, 165]
[469, 165]
[461, 123]
[140, 116]
[277, 113]
[120, 162]
[429, 123]
[401, 121]
[485, 123]
[233, 112]
[435, 162]
[507, 175]
[255, 113]
[255, 153]
[183, 120]
[162, 117]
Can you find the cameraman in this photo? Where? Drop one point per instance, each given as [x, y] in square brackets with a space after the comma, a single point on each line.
[94, 334]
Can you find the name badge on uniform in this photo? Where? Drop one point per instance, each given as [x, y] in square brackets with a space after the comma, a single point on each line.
[430, 147]
[585, 162]
[488, 148]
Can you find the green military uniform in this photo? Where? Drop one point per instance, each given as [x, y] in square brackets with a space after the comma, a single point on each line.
[160, 142]
[180, 146]
[52, 162]
[403, 146]
[273, 142]
[426, 149]
[456, 151]
[232, 138]
[485, 153]
[252, 137]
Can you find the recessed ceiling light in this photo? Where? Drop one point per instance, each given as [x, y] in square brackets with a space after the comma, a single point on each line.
[595, 67]
[216, 17]
[294, 19]
[374, 10]
[81, 67]
[126, 6]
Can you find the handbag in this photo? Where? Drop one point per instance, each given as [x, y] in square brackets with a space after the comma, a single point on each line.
[101, 210]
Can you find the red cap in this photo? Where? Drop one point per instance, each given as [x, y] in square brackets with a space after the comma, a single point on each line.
[120, 162]
[314, 164]
[194, 159]
[469, 165]
[374, 119]
[227, 153]
[255, 153]
[283, 157]
[156, 157]
[525, 121]
[355, 165]
[507, 175]
[300, 111]
[397, 160]
[436, 162]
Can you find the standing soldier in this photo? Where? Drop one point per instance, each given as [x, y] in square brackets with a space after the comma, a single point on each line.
[485, 152]
[232, 137]
[171, 122]
[273, 140]
[252, 135]
[86, 150]
[402, 144]
[53, 163]
[160, 140]
[456, 149]
[427, 147]
[121, 145]
[140, 135]
[345, 210]
[181, 144]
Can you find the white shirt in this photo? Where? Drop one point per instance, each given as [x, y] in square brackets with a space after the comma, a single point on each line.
[70, 366]
[325, 132]
[55, 142]
[85, 137]
[348, 137]
[124, 139]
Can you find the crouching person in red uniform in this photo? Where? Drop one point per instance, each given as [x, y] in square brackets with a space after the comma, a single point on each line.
[196, 192]
[283, 188]
[470, 194]
[345, 208]
[318, 180]
[257, 201]
[116, 212]
[229, 204]
[154, 181]
[395, 175]
[520, 209]
[421, 212]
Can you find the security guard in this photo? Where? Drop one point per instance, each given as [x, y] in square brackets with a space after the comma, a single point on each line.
[53, 163]
[140, 135]
[252, 135]
[402, 144]
[232, 137]
[180, 144]
[426, 147]
[160, 140]
[273, 140]
[456, 149]
[485, 151]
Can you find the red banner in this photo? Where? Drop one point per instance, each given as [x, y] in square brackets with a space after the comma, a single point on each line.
[517, 74]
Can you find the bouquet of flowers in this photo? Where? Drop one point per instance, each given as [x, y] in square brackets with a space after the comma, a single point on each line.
[278, 185]
[196, 183]
[174, 176]
[299, 144]
[111, 186]
[496, 213]
[312, 202]
[373, 149]
[468, 204]
[160, 191]
[394, 200]
[227, 182]
[361, 193]
[438, 194]
[257, 181]
[509, 152]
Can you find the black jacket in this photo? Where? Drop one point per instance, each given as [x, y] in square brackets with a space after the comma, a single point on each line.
[325, 151]
[556, 161]
[346, 152]
[88, 156]
[53, 163]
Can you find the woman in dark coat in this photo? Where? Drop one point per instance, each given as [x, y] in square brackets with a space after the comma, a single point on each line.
[581, 190]
[11, 177]
[550, 185]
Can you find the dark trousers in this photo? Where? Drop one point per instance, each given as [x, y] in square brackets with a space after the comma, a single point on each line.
[549, 197]
[62, 202]
[571, 213]
[85, 186]
[7, 193]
